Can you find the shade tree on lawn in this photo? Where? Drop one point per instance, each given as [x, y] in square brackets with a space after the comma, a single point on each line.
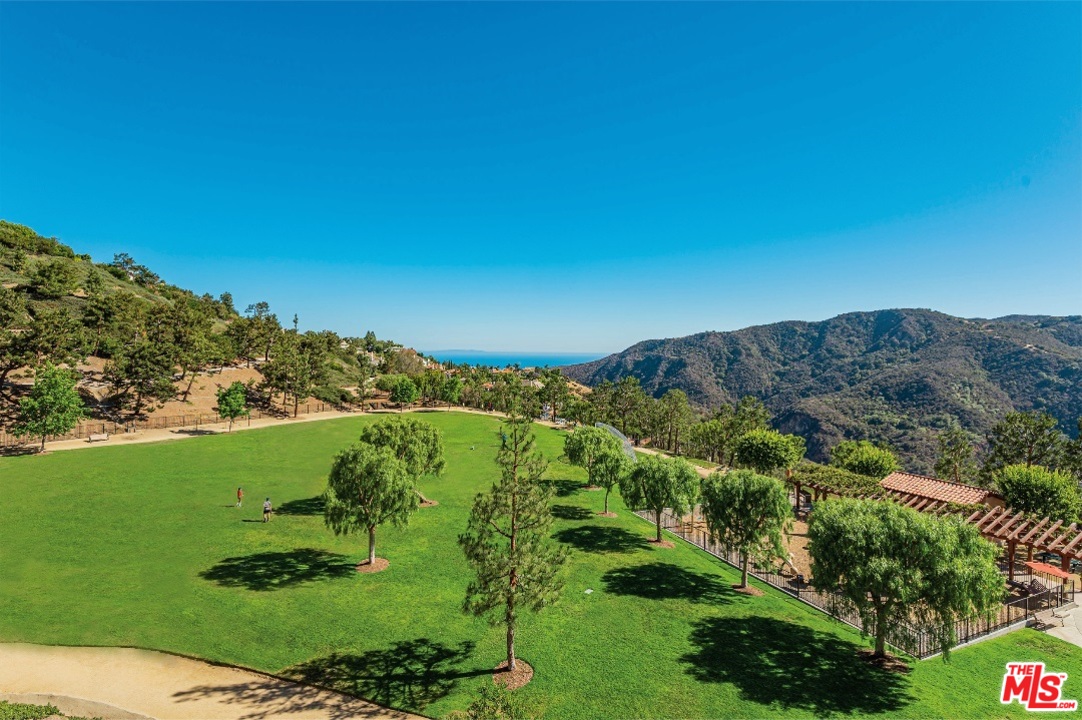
[900, 569]
[368, 487]
[609, 471]
[747, 512]
[507, 541]
[415, 442]
[585, 446]
[657, 483]
[53, 406]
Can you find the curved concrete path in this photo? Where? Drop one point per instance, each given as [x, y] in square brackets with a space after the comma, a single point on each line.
[123, 684]
[1070, 629]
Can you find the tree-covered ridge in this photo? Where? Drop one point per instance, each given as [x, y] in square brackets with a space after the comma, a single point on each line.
[140, 342]
[893, 376]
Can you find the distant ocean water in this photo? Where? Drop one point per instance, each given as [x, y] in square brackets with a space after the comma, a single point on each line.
[503, 359]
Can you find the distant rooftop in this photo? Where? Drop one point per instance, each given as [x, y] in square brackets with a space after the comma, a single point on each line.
[936, 489]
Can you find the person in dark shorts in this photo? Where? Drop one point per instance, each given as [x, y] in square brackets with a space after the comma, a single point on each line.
[266, 510]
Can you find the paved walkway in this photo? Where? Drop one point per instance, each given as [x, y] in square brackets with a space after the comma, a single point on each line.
[126, 684]
[1072, 628]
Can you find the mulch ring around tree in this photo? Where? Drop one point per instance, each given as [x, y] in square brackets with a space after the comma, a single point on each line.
[887, 662]
[662, 544]
[606, 514]
[428, 503]
[513, 679]
[749, 590]
[378, 566]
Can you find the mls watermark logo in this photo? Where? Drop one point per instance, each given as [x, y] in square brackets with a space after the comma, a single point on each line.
[1034, 689]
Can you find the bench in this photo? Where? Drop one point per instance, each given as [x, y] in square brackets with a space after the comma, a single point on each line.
[95, 437]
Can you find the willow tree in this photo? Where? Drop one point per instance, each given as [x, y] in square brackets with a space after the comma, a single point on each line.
[585, 448]
[864, 458]
[415, 442]
[1039, 491]
[507, 539]
[610, 470]
[900, 569]
[657, 484]
[747, 512]
[765, 451]
[368, 487]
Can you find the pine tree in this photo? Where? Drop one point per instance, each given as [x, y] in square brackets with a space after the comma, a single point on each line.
[955, 461]
[507, 540]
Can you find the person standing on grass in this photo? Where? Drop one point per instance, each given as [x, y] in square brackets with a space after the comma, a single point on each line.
[266, 510]
[240, 496]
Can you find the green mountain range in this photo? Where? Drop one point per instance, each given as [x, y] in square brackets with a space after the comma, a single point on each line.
[894, 376]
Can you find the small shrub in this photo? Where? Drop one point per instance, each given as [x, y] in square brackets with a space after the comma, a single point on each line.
[333, 395]
[25, 711]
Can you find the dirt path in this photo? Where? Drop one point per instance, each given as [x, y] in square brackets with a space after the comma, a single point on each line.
[126, 684]
[159, 435]
[703, 472]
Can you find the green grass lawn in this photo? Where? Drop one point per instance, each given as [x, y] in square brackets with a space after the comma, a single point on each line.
[141, 545]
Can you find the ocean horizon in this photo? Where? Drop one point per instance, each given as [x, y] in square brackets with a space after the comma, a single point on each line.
[504, 358]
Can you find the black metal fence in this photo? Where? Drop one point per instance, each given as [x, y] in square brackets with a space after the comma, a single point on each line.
[194, 420]
[916, 641]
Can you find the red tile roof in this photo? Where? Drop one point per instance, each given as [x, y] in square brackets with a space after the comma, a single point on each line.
[929, 487]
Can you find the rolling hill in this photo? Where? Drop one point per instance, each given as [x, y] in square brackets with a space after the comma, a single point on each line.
[897, 376]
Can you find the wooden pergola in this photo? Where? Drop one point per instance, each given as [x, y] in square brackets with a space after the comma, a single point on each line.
[1002, 525]
[1015, 528]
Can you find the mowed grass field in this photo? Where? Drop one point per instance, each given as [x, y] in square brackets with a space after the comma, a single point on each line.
[141, 546]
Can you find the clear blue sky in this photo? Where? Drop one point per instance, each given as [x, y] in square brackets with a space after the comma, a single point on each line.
[563, 177]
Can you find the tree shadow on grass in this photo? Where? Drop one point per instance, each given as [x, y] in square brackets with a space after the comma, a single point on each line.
[773, 661]
[571, 512]
[665, 581]
[408, 675]
[566, 488]
[602, 539]
[277, 570]
[307, 506]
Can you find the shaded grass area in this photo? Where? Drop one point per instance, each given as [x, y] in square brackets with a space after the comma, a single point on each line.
[141, 545]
